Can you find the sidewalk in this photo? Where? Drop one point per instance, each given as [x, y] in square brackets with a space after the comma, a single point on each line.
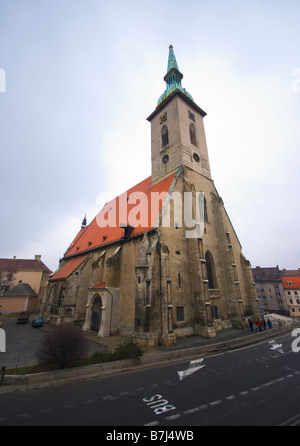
[112, 342]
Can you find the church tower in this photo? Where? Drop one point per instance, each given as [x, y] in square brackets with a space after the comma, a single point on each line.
[207, 280]
[177, 129]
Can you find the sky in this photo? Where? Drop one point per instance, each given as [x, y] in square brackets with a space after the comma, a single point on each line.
[78, 79]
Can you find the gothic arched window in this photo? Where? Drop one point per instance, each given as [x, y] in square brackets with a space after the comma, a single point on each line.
[193, 135]
[211, 272]
[164, 136]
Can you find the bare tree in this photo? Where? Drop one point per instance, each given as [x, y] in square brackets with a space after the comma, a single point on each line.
[62, 345]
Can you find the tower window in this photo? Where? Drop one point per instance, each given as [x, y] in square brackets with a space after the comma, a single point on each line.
[164, 136]
[193, 134]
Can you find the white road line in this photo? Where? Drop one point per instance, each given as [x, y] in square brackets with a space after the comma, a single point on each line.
[188, 412]
[153, 423]
[173, 417]
[216, 403]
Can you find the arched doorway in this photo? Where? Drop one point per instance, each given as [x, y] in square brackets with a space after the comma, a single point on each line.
[96, 314]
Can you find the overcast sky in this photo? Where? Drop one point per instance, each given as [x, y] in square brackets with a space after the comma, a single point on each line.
[78, 78]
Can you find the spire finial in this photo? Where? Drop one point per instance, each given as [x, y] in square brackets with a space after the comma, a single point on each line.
[172, 78]
[83, 224]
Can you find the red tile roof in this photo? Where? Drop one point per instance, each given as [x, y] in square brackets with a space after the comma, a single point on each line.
[100, 286]
[68, 268]
[23, 264]
[295, 282]
[135, 204]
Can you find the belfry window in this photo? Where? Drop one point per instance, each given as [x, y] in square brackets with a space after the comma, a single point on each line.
[164, 136]
[193, 135]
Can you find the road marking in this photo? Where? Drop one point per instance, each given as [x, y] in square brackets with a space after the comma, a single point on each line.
[231, 397]
[188, 412]
[173, 417]
[205, 406]
[153, 423]
[215, 403]
[23, 415]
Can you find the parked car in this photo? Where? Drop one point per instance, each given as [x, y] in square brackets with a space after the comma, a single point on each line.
[37, 322]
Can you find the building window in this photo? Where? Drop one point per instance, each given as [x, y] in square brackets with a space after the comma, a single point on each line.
[164, 136]
[210, 269]
[180, 314]
[193, 134]
[179, 280]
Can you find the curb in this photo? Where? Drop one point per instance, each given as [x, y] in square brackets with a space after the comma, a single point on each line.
[23, 382]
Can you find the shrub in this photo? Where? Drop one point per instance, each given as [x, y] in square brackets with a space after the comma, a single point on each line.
[62, 346]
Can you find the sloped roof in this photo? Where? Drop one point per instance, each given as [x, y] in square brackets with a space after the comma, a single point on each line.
[23, 264]
[22, 289]
[294, 281]
[108, 226]
[68, 268]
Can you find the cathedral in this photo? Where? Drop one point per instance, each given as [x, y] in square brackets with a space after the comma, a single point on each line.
[162, 260]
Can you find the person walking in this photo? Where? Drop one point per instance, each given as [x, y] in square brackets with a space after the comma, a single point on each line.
[250, 324]
[269, 324]
[258, 323]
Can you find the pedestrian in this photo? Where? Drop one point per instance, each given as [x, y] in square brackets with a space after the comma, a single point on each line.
[269, 324]
[264, 324]
[258, 323]
[250, 324]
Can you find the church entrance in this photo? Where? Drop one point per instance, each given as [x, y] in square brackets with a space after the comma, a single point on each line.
[96, 314]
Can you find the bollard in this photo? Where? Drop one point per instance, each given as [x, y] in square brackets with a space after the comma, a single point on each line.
[2, 376]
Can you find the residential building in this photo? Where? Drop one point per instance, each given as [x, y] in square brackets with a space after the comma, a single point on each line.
[291, 284]
[269, 289]
[32, 272]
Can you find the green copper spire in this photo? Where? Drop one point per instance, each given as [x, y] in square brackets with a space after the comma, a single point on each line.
[173, 78]
[172, 62]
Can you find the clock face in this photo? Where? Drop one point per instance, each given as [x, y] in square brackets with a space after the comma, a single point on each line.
[165, 159]
[163, 118]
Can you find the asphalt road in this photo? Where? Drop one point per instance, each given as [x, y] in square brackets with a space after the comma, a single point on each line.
[256, 386]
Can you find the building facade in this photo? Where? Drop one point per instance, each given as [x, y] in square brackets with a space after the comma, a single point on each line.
[269, 289]
[162, 260]
[291, 284]
[28, 271]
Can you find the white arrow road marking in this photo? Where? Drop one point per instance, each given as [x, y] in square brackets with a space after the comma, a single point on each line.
[276, 346]
[194, 367]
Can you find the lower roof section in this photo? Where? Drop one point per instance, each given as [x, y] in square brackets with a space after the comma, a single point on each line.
[68, 268]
